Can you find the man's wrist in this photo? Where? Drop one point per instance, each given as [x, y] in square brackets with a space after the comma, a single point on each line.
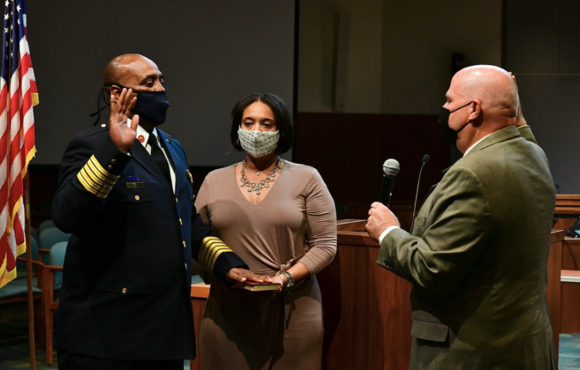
[387, 231]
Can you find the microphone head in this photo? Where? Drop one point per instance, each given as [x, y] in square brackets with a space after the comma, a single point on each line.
[391, 167]
[426, 158]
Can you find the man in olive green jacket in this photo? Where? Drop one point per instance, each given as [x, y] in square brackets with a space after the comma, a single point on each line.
[478, 254]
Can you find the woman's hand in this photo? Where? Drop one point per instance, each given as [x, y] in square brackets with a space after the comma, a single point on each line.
[278, 280]
[122, 130]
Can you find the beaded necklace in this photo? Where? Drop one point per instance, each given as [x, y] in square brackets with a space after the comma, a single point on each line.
[257, 187]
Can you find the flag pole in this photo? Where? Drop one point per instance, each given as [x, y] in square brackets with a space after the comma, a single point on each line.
[31, 342]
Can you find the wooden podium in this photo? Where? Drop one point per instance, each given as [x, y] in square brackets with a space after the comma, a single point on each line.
[367, 311]
[567, 210]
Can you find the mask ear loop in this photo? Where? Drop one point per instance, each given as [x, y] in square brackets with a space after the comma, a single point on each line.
[101, 96]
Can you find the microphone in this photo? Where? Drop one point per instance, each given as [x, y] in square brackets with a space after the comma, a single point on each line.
[425, 161]
[390, 169]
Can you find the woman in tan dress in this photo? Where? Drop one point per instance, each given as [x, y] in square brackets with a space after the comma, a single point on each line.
[280, 219]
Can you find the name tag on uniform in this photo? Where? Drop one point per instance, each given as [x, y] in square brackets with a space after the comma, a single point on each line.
[134, 185]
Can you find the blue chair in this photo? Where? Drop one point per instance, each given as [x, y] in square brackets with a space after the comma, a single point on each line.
[50, 236]
[45, 225]
[52, 283]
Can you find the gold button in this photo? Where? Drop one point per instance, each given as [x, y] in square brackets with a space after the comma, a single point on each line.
[176, 200]
[110, 167]
[113, 161]
[103, 125]
[137, 197]
[184, 244]
[167, 140]
[180, 221]
[186, 266]
[124, 290]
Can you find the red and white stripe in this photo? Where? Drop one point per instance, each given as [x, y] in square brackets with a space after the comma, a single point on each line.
[16, 150]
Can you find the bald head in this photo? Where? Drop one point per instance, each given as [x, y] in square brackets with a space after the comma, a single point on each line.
[493, 87]
[124, 67]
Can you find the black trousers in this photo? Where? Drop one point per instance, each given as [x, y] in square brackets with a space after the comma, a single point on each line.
[74, 361]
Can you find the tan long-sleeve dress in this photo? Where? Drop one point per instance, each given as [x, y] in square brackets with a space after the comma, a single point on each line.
[295, 221]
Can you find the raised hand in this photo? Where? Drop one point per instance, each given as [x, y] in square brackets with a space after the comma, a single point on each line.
[520, 120]
[121, 128]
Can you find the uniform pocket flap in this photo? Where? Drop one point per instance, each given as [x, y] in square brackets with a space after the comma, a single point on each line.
[125, 284]
[428, 330]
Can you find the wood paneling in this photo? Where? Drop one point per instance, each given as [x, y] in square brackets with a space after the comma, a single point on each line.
[367, 311]
[570, 291]
[349, 151]
[567, 210]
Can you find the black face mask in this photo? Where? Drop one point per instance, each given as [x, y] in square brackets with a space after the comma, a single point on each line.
[449, 134]
[151, 105]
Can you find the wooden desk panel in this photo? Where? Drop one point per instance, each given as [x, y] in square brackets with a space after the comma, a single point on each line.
[567, 210]
[568, 200]
[199, 294]
[570, 291]
[367, 310]
[571, 254]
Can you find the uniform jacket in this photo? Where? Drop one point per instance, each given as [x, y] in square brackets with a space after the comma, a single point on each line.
[477, 260]
[127, 270]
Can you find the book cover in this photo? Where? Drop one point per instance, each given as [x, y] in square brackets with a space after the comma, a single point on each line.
[260, 287]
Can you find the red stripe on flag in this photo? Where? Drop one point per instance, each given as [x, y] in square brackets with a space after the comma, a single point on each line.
[17, 141]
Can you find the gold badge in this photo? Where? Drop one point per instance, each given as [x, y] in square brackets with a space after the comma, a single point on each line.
[134, 185]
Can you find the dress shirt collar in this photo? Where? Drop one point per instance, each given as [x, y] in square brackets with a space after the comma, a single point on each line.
[471, 147]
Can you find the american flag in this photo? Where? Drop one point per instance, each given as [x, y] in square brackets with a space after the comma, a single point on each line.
[18, 94]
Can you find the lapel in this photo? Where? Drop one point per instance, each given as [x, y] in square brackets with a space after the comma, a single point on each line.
[140, 154]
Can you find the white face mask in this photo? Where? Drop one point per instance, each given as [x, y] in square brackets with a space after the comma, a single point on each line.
[258, 143]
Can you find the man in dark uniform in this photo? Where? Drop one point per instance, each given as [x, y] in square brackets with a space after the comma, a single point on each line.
[125, 300]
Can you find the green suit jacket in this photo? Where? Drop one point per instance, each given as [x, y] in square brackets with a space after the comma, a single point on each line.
[477, 260]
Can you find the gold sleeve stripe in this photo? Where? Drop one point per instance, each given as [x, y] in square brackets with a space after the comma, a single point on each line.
[98, 192]
[95, 179]
[210, 258]
[211, 249]
[99, 172]
[204, 247]
[212, 265]
[86, 184]
[207, 251]
[90, 177]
